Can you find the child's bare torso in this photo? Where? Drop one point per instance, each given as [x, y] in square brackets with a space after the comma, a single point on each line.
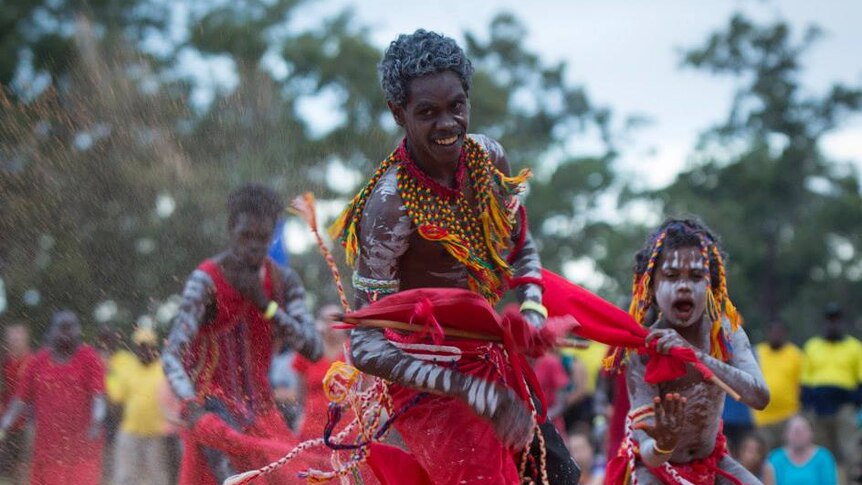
[704, 406]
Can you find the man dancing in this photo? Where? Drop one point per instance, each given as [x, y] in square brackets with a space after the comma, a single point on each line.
[219, 350]
[442, 211]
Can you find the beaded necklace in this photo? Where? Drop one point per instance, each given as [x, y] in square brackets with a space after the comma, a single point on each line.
[475, 234]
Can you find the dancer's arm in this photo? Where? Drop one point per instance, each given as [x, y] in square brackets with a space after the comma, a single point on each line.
[384, 237]
[16, 407]
[23, 395]
[296, 320]
[526, 263]
[374, 354]
[742, 373]
[98, 411]
[198, 296]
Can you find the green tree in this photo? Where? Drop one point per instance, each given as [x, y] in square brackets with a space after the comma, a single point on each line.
[338, 60]
[117, 186]
[534, 112]
[790, 218]
[37, 37]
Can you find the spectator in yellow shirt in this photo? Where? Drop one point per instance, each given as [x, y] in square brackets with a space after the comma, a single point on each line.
[140, 449]
[781, 362]
[832, 385]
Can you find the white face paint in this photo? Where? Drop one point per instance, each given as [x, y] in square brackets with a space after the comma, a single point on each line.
[680, 285]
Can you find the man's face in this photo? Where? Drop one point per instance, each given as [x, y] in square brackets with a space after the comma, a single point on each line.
[680, 286]
[146, 352]
[798, 433]
[65, 331]
[834, 327]
[17, 340]
[751, 453]
[776, 335]
[435, 118]
[250, 237]
[581, 450]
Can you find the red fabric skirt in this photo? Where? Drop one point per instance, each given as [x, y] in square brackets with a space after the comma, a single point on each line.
[265, 440]
[699, 471]
[449, 442]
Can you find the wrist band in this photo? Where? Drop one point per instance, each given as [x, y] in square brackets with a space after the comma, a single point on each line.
[372, 285]
[660, 451]
[535, 306]
[270, 310]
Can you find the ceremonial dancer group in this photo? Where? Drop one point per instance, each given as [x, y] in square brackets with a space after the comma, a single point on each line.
[435, 238]
[437, 386]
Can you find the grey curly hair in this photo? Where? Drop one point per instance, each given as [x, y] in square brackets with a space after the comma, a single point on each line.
[418, 54]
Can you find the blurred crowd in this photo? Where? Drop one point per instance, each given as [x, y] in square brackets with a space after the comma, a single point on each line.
[811, 432]
[139, 433]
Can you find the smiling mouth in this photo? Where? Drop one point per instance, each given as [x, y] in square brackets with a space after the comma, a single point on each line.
[447, 141]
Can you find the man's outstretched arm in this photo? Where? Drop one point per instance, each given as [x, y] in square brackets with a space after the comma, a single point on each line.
[296, 320]
[374, 354]
[198, 295]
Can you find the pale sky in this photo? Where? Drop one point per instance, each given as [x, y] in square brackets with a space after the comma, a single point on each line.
[627, 54]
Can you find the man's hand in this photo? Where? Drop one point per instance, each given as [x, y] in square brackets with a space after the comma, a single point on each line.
[669, 418]
[666, 338]
[512, 421]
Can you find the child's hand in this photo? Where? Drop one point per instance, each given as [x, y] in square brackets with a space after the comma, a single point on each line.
[667, 338]
[669, 417]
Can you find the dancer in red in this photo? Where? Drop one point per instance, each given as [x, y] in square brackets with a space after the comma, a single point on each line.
[220, 348]
[674, 431]
[13, 450]
[441, 212]
[65, 385]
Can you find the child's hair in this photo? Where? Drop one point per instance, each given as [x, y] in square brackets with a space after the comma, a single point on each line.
[685, 233]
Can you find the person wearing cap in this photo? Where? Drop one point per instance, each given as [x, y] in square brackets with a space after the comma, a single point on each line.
[140, 454]
[832, 385]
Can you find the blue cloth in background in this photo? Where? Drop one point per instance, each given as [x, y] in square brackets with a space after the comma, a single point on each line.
[278, 248]
[736, 413]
